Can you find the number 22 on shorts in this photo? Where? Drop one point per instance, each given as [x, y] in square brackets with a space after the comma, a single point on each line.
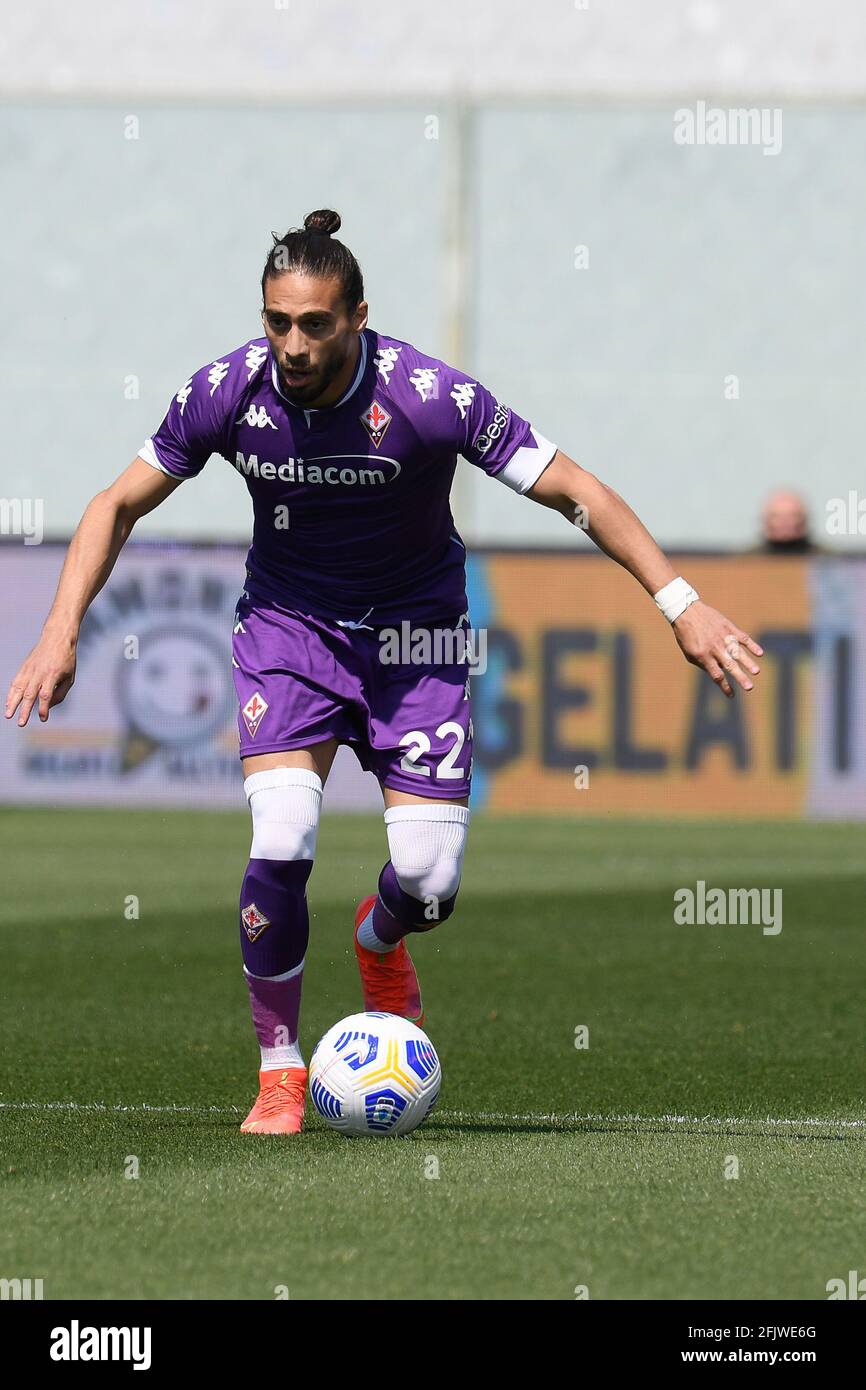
[419, 744]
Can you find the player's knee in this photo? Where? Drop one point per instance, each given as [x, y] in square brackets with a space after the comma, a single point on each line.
[434, 887]
[285, 803]
[426, 845]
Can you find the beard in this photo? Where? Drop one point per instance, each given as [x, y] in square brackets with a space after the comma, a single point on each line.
[318, 383]
[795, 545]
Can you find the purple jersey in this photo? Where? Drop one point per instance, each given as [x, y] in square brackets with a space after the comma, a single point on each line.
[351, 505]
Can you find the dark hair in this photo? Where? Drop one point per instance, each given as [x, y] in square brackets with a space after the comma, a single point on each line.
[311, 250]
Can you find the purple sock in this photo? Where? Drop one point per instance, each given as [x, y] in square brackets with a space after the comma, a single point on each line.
[276, 1008]
[275, 929]
[396, 913]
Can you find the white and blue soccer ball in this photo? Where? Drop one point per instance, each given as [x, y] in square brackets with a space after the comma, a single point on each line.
[374, 1074]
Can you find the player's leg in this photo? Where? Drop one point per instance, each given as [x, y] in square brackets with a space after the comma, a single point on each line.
[284, 791]
[417, 890]
[426, 842]
[421, 750]
[292, 716]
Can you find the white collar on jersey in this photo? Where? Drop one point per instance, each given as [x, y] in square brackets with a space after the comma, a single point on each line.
[356, 382]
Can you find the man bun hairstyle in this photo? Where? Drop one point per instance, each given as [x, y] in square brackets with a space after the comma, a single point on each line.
[325, 220]
[312, 250]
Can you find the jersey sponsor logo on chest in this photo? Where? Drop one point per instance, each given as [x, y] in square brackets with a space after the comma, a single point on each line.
[331, 470]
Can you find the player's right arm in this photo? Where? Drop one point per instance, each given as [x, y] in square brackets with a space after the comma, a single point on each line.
[179, 449]
[48, 672]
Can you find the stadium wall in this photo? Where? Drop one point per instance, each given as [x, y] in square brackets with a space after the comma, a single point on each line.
[584, 706]
[671, 316]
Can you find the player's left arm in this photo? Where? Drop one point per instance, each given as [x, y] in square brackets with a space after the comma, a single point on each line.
[706, 637]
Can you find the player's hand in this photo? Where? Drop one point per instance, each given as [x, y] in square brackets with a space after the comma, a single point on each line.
[709, 639]
[46, 676]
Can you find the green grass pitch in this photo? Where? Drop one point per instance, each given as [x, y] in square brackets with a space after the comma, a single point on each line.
[558, 1167]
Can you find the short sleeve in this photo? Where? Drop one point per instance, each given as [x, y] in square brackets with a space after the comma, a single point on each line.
[192, 428]
[496, 439]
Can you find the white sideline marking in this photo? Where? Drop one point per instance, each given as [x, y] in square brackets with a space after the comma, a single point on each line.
[531, 1117]
[574, 1118]
[97, 1105]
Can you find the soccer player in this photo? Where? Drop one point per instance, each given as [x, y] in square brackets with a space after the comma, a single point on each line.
[348, 441]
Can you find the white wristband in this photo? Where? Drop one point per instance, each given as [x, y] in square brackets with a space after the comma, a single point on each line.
[674, 598]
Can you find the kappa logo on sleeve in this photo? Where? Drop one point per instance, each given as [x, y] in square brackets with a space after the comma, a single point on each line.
[426, 383]
[254, 921]
[256, 355]
[217, 375]
[183, 394]
[385, 362]
[254, 712]
[375, 420]
[463, 395]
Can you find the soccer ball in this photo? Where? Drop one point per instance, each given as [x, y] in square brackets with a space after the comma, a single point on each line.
[374, 1074]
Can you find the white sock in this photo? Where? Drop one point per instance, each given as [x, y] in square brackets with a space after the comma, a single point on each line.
[367, 937]
[276, 1058]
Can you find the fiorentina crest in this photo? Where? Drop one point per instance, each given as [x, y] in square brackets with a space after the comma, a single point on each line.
[254, 712]
[254, 921]
[375, 420]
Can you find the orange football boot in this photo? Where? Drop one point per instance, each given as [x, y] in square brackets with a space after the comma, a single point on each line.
[388, 978]
[279, 1108]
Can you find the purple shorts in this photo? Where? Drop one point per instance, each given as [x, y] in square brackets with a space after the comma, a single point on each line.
[301, 680]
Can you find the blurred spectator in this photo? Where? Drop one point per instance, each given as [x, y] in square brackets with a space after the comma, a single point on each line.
[785, 524]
